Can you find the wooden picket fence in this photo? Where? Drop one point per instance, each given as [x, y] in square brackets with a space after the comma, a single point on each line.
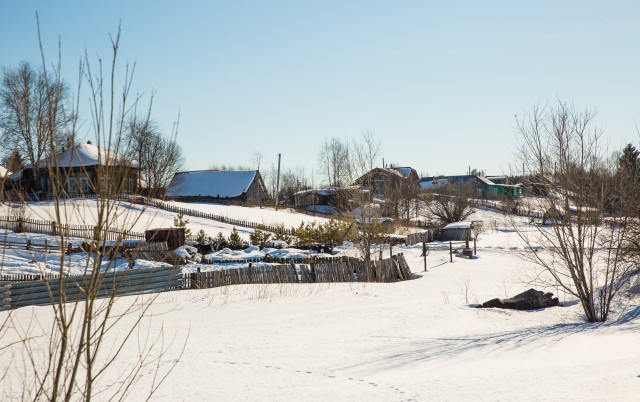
[426, 236]
[21, 225]
[345, 270]
[35, 289]
[520, 211]
[27, 277]
[20, 291]
[165, 206]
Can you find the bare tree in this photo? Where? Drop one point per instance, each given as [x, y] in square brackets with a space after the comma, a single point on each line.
[584, 253]
[32, 109]
[256, 159]
[365, 151]
[451, 203]
[334, 161]
[159, 157]
[401, 194]
[292, 180]
[68, 356]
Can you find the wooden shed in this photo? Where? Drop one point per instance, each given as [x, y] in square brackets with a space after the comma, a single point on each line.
[457, 231]
[174, 237]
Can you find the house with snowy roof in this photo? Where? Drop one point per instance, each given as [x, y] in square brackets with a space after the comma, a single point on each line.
[225, 186]
[327, 200]
[490, 187]
[83, 169]
[382, 181]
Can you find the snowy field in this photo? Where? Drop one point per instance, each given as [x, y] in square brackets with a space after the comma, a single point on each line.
[139, 218]
[417, 340]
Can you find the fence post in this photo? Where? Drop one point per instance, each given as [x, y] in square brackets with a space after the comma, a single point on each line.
[450, 252]
[475, 249]
[424, 254]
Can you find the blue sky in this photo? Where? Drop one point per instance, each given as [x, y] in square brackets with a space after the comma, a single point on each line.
[438, 83]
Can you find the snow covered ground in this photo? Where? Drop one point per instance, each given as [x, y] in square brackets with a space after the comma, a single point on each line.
[417, 340]
[139, 218]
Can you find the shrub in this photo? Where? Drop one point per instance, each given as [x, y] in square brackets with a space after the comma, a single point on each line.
[260, 237]
[180, 222]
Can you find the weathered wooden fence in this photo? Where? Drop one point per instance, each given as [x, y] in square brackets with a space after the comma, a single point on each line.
[520, 211]
[20, 225]
[345, 270]
[200, 214]
[27, 277]
[34, 289]
[426, 236]
[17, 293]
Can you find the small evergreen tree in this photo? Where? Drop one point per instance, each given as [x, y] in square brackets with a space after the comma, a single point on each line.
[180, 222]
[260, 237]
[220, 239]
[234, 237]
[281, 233]
[202, 237]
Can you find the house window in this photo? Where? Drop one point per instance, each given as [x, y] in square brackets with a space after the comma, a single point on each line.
[84, 185]
[494, 191]
[479, 192]
[71, 185]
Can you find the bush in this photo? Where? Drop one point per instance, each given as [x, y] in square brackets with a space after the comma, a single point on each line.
[282, 233]
[260, 237]
[180, 222]
[234, 237]
[202, 237]
[328, 234]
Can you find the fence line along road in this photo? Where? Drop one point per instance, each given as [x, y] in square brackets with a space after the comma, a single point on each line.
[49, 291]
[19, 224]
[27, 290]
[392, 269]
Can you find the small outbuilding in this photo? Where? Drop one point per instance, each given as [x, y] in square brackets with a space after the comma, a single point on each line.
[458, 231]
[225, 186]
[174, 237]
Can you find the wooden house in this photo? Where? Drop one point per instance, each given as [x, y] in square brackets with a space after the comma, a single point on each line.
[80, 170]
[225, 186]
[458, 231]
[491, 187]
[328, 200]
[382, 182]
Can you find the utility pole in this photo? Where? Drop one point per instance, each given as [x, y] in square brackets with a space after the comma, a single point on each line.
[278, 184]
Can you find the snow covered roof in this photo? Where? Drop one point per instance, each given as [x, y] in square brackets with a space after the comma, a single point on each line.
[211, 183]
[85, 155]
[326, 191]
[435, 183]
[404, 171]
[319, 191]
[485, 180]
[458, 225]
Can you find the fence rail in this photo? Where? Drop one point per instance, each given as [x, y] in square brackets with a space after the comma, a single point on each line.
[427, 236]
[22, 291]
[520, 211]
[33, 289]
[344, 270]
[88, 232]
